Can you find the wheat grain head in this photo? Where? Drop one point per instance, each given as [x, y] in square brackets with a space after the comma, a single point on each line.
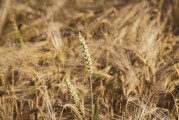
[86, 54]
[16, 30]
[75, 96]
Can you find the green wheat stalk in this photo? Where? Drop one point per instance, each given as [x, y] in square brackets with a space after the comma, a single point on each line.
[75, 96]
[88, 63]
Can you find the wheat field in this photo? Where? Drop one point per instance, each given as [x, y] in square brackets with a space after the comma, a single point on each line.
[89, 59]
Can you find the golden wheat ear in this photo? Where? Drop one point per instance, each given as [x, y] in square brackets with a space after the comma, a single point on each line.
[86, 54]
[15, 28]
[75, 97]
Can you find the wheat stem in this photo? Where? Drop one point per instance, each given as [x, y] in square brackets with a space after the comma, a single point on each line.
[91, 89]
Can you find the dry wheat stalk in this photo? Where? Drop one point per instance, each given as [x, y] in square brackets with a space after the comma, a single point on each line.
[54, 35]
[4, 8]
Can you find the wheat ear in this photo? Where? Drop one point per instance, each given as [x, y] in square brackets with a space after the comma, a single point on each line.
[88, 63]
[75, 96]
[16, 30]
[86, 54]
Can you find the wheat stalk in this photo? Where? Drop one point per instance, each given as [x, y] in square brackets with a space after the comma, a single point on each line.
[88, 63]
[75, 96]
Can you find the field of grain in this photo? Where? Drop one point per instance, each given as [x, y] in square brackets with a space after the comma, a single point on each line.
[89, 59]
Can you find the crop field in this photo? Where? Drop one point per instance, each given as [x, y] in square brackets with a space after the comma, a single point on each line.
[89, 59]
